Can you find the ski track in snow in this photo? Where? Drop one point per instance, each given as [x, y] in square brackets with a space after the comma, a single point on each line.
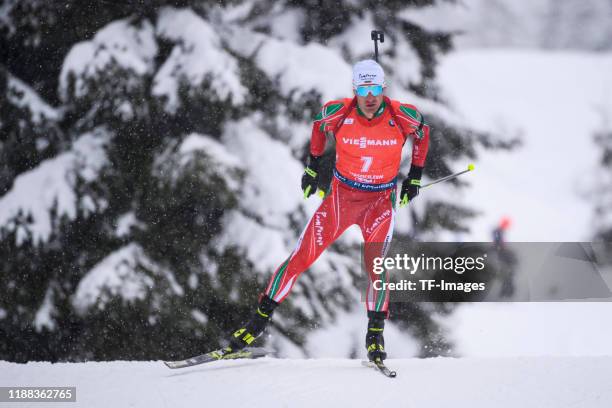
[469, 382]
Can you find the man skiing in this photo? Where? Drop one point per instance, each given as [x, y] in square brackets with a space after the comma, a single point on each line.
[370, 131]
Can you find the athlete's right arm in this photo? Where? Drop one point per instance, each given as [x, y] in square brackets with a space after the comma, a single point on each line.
[326, 121]
[310, 178]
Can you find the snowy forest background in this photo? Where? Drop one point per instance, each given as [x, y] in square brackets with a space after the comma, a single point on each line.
[151, 152]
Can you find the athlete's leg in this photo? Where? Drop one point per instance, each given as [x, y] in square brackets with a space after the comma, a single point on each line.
[377, 229]
[329, 221]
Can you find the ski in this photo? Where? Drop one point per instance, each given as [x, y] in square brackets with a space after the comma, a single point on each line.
[381, 367]
[216, 355]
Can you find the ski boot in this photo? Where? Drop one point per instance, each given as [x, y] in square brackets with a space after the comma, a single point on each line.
[244, 336]
[375, 342]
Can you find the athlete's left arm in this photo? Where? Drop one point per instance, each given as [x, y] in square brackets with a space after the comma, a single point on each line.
[420, 145]
[413, 125]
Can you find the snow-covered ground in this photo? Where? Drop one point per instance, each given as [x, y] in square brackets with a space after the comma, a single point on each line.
[537, 382]
[559, 329]
[532, 329]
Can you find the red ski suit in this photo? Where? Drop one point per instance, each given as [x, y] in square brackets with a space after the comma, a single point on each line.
[368, 155]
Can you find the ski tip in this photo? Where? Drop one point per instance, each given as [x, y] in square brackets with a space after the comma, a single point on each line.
[471, 166]
[380, 367]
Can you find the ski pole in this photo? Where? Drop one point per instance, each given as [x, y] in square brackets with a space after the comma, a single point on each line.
[321, 193]
[377, 35]
[452, 176]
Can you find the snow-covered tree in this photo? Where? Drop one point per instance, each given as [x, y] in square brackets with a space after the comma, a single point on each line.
[547, 24]
[145, 204]
[29, 129]
[603, 193]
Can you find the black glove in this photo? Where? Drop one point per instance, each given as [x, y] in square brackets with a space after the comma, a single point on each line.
[411, 185]
[310, 179]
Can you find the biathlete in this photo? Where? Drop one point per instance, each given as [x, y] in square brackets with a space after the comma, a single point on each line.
[370, 131]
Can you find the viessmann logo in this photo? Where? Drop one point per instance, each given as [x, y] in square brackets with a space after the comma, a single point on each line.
[363, 142]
